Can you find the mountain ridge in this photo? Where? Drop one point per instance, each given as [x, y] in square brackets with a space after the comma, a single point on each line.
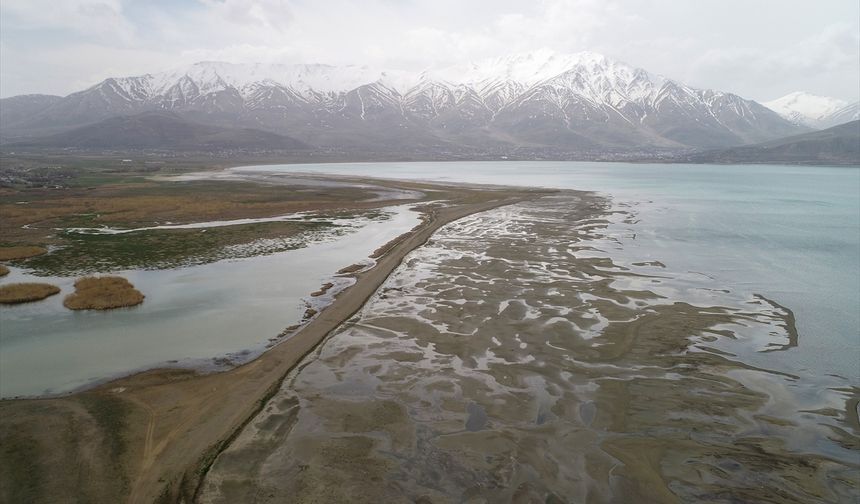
[582, 101]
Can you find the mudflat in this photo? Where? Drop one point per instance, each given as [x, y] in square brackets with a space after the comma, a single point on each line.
[510, 360]
[151, 436]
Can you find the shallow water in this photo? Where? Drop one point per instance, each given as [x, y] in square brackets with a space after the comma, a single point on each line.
[789, 233]
[690, 335]
[519, 357]
[228, 309]
[296, 216]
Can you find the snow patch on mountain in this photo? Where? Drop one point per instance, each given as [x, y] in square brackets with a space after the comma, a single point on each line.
[576, 100]
[806, 108]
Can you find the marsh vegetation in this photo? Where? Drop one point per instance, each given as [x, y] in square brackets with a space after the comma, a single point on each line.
[168, 248]
[20, 252]
[26, 292]
[100, 194]
[103, 293]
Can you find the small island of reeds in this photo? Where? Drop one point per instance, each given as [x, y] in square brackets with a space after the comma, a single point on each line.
[20, 252]
[102, 293]
[3, 270]
[15, 293]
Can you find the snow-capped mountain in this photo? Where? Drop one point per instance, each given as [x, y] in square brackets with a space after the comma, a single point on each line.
[582, 101]
[814, 111]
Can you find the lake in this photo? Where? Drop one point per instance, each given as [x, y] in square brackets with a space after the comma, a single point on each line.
[684, 333]
[790, 233]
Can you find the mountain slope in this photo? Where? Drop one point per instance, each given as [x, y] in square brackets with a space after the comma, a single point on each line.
[163, 131]
[576, 102]
[843, 115]
[20, 108]
[836, 145]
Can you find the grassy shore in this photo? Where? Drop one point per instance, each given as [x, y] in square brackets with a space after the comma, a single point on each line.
[170, 248]
[47, 198]
[103, 293]
[17, 293]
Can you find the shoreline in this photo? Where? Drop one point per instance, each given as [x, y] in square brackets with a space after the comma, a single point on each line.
[433, 193]
[177, 420]
[707, 358]
[571, 358]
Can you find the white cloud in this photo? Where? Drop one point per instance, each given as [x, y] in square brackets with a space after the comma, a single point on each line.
[268, 14]
[96, 19]
[748, 47]
[826, 58]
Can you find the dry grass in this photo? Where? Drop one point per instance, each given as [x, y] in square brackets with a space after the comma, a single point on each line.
[3, 270]
[102, 293]
[25, 292]
[145, 204]
[20, 252]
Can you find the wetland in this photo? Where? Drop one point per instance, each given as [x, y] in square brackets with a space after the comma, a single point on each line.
[420, 333]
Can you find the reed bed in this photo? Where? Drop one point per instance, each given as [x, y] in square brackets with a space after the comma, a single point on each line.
[20, 252]
[102, 293]
[16, 293]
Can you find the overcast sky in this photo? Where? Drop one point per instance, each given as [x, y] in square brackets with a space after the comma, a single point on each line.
[757, 48]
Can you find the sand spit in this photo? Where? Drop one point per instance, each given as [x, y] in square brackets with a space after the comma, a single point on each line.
[152, 435]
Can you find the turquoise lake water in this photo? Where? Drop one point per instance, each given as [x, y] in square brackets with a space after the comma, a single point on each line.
[789, 233]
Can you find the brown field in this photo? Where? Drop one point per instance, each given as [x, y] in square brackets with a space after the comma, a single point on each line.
[101, 193]
[20, 252]
[3, 270]
[102, 293]
[146, 203]
[25, 292]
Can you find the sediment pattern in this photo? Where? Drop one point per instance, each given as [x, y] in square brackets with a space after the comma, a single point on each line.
[512, 360]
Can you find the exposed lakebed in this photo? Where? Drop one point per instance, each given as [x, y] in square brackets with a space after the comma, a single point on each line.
[511, 359]
[691, 338]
